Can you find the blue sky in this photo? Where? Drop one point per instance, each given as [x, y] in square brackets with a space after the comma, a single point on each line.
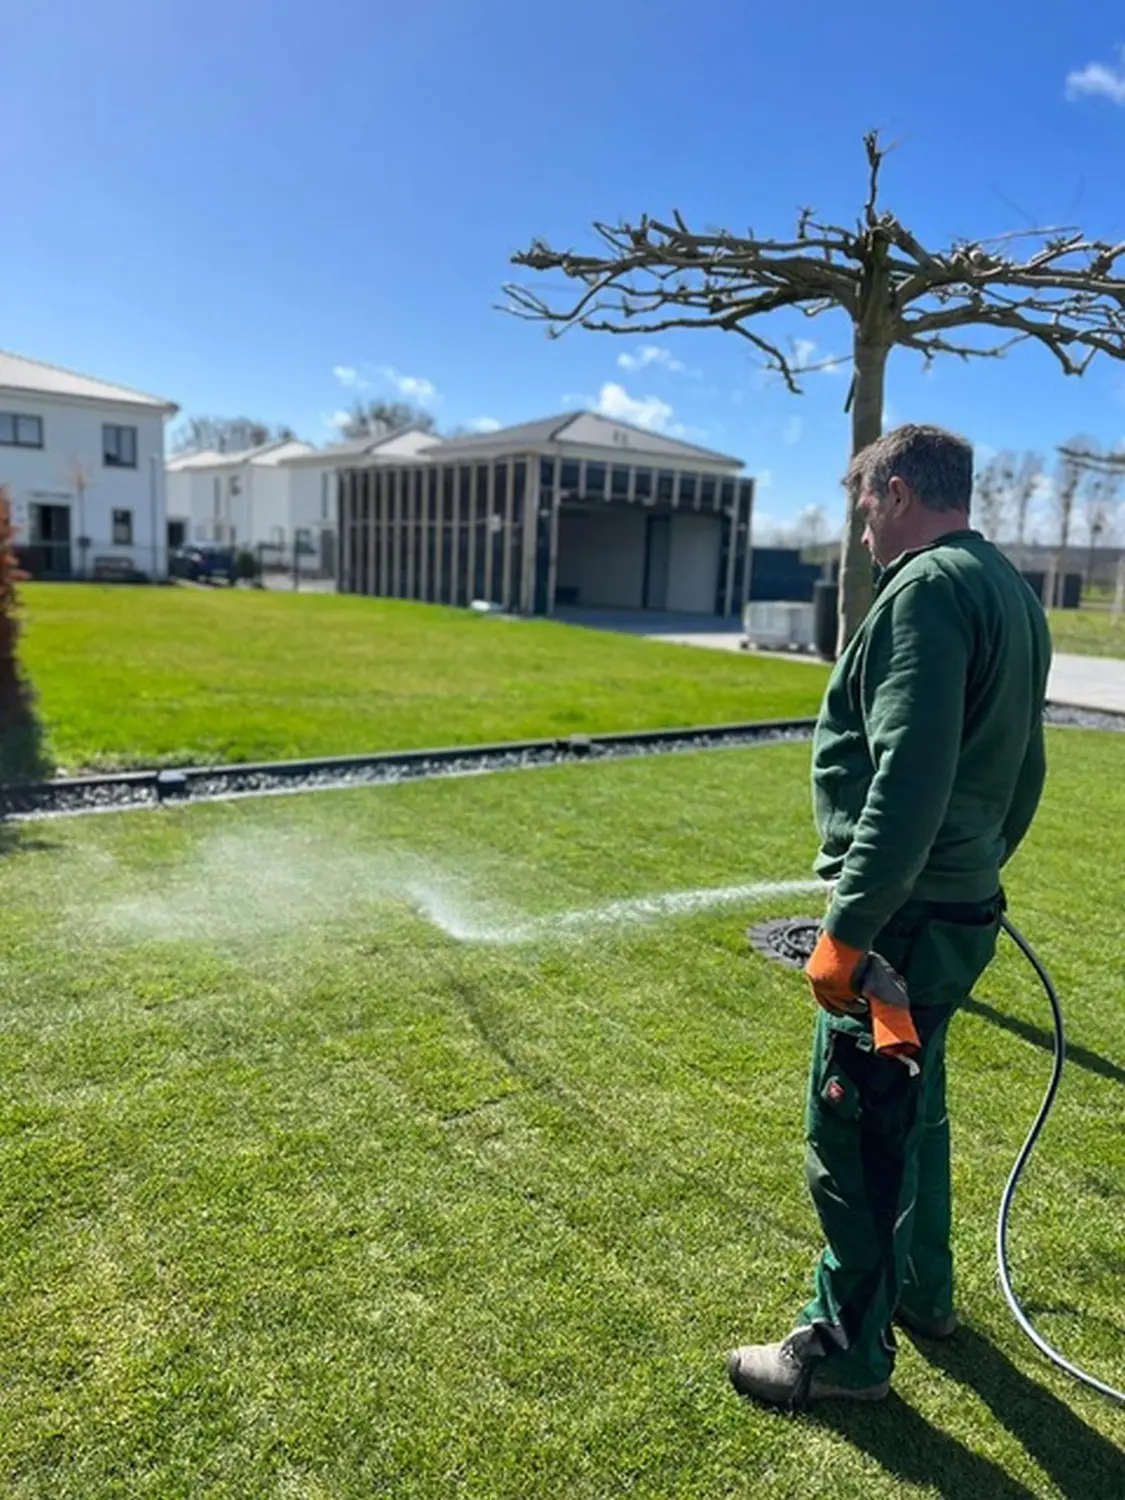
[259, 206]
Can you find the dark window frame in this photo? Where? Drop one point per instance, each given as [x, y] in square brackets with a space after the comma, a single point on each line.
[122, 528]
[16, 417]
[111, 458]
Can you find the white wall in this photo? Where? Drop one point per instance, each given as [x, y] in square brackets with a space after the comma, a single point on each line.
[604, 557]
[693, 563]
[72, 440]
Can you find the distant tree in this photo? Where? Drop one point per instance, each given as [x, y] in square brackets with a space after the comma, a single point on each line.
[1072, 464]
[1097, 476]
[970, 299]
[226, 434]
[1027, 478]
[991, 494]
[377, 418]
[810, 527]
[22, 753]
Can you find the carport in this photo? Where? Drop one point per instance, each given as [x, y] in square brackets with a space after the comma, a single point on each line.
[576, 510]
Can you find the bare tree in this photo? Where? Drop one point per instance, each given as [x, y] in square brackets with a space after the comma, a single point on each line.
[226, 434]
[810, 526]
[81, 477]
[992, 494]
[377, 418]
[1027, 479]
[1099, 501]
[1073, 460]
[974, 299]
[1100, 475]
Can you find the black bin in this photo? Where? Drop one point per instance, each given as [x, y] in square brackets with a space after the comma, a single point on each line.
[826, 597]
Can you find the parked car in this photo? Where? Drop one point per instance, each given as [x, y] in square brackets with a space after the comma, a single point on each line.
[203, 562]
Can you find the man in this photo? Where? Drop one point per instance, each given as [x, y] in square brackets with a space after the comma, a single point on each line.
[928, 765]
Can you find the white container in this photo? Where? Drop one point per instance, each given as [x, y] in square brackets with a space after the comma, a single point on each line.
[778, 624]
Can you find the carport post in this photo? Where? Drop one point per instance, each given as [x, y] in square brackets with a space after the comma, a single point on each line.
[530, 533]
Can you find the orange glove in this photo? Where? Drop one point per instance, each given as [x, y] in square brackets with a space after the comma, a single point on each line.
[831, 972]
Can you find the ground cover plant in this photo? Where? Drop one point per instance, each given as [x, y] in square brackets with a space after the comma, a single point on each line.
[143, 676]
[337, 1159]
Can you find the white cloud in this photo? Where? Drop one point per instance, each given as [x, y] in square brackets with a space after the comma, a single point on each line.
[763, 480]
[645, 411]
[1099, 78]
[484, 424]
[337, 420]
[806, 352]
[349, 377]
[791, 432]
[651, 354]
[413, 387]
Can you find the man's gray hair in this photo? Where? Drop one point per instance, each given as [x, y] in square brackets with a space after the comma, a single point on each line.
[937, 465]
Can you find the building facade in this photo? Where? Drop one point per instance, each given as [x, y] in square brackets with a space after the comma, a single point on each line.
[577, 510]
[238, 499]
[83, 463]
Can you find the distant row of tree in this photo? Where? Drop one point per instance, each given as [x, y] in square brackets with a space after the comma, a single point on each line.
[235, 434]
[1017, 502]
[1085, 486]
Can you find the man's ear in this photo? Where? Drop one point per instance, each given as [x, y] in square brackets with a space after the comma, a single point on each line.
[900, 492]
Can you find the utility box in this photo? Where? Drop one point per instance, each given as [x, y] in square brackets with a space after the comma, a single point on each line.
[778, 624]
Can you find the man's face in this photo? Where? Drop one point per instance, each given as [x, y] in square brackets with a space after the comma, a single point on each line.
[882, 518]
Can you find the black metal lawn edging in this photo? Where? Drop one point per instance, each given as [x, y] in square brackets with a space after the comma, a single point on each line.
[141, 789]
[122, 790]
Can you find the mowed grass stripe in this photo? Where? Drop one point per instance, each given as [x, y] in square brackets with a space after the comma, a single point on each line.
[317, 1201]
[131, 676]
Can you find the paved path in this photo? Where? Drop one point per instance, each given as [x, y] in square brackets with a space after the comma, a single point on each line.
[1088, 682]
[1094, 682]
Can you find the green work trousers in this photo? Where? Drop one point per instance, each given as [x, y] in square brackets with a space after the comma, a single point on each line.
[878, 1147]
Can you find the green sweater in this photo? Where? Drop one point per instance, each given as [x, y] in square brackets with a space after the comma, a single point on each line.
[928, 757]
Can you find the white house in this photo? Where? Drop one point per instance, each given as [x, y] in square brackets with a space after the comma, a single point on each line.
[238, 499]
[83, 463]
[276, 497]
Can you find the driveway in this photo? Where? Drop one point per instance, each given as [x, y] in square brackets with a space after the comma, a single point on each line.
[1093, 682]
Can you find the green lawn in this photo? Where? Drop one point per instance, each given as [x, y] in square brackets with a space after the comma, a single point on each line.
[142, 676]
[302, 1196]
[1087, 632]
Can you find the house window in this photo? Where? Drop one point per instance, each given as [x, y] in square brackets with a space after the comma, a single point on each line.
[19, 431]
[217, 496]
[234, 485]
[324, 497]
[122, 528]
[119, 447]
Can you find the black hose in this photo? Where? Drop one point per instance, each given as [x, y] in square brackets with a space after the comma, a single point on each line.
[1009, 1192]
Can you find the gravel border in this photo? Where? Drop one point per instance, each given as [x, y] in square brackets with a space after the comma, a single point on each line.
[121, 791]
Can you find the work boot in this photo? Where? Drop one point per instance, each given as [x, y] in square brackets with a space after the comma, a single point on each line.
[927, 1325]
[785, 1374]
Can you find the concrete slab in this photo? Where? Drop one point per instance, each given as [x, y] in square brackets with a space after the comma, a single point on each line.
[1093, 682]
[1096, 682]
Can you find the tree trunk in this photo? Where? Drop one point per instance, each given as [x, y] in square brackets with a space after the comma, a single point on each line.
[867, 425]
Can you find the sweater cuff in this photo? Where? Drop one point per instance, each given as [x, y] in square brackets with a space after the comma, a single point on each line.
[850, 927]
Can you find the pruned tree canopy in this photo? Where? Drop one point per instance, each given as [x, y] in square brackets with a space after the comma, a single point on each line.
[973, 299]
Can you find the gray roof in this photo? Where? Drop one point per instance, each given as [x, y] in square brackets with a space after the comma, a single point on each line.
[355, 447]
[559, 431]
[18, 373]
